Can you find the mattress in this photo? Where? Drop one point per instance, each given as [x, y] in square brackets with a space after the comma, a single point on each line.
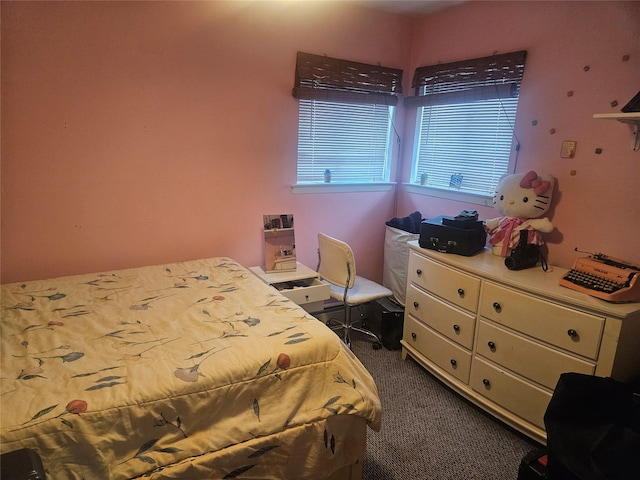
[194, 369]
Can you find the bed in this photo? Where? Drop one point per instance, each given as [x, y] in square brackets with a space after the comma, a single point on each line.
[191, 370]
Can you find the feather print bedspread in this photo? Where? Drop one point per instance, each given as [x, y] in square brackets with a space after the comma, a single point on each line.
[121, 374]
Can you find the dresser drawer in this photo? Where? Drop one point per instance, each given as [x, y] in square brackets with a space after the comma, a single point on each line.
[537, 362]
[451, 358]
[453, 286]
[451, 322]
[525, 400]
[571, 330]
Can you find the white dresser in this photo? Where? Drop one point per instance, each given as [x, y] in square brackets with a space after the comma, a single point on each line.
[501, 338]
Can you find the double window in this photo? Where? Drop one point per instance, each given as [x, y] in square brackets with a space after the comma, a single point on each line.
[466, 111]
[465, 114]
[345, 119]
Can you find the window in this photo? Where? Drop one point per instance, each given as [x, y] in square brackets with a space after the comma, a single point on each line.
[352, 141]
[465, 116]
[345, 119]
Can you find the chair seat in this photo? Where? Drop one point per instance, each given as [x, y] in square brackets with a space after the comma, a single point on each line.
[363, 291]
[337, 267]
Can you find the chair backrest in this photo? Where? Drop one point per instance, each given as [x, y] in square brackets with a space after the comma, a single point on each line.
[333, 258]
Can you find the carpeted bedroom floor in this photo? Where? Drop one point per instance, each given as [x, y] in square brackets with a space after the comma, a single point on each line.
[430, 433]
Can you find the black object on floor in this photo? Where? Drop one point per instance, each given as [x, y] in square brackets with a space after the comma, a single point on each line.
[593, 429]
[387, 322]
[533, 465]
[23, 464]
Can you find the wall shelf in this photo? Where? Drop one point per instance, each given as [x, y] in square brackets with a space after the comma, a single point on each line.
[632, 119]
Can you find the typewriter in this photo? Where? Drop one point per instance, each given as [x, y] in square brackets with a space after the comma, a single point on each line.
[604, 277]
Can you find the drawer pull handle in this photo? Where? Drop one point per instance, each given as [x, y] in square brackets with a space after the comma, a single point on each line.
[461, 292]
[486, 382]
[419, 272]
[414, 336]
[416, 304]
[456, 328]
[492, 346]
[497, 307]
[453, 362]
[573, 334]
[306, 297]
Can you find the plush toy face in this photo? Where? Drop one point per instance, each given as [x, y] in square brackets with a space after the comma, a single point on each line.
[524, 195]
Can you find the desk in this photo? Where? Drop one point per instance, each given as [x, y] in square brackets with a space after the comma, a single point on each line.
[302, 285]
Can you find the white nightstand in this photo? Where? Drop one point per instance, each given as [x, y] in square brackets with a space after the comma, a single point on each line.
[303, 286]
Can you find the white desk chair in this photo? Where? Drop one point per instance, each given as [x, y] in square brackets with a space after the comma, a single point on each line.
[337, 266]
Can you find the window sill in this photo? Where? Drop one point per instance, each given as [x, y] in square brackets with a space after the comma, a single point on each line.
[449, 194]
[342, 187]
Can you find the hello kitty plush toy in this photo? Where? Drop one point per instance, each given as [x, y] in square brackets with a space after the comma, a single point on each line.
[521, 199]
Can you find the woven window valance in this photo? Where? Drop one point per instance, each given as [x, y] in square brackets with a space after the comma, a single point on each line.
[332, 79]
[497, 76]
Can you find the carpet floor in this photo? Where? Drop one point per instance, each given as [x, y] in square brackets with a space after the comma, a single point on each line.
[431, 433]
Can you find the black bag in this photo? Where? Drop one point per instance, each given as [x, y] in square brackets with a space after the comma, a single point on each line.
[445, 234]
[593, 429]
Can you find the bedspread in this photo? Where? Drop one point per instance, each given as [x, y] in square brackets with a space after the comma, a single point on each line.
[120, 374]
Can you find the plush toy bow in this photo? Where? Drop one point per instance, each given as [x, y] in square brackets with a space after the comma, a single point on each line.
[505, 233]
[530, 180]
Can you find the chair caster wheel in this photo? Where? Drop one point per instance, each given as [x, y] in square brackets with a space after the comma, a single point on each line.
[376, 346]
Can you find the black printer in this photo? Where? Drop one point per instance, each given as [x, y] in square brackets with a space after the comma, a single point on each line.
[462, 235]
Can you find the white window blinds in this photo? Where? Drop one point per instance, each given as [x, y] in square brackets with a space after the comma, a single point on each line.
[465, 117]
[345, 116]
[353, 141]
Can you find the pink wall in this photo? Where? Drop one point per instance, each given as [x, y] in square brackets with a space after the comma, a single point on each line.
[597, 209]
[136, 133]
[133, 133]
